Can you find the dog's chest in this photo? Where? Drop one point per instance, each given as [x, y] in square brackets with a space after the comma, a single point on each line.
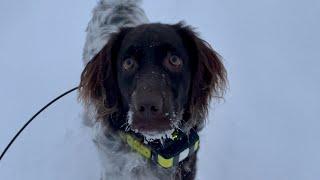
[121, 163]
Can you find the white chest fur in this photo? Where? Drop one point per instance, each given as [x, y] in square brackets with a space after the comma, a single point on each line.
[119, 162]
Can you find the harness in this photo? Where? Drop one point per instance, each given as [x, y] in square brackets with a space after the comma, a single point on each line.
[168, 153]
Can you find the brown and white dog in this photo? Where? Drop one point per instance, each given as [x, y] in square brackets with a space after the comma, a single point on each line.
[150, 78]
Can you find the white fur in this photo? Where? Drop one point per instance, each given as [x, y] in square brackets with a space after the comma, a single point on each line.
[101, 26]
[119, 162]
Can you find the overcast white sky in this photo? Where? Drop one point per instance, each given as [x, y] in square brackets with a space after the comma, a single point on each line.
[267, 128]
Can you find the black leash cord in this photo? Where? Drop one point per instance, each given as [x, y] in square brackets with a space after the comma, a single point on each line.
[31, 119]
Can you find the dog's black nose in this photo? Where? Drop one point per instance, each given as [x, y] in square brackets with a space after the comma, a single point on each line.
[149, 107]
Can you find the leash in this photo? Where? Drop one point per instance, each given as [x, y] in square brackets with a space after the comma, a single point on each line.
[166, 155]
[32, 118]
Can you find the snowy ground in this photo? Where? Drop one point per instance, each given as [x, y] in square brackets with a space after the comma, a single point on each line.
[267, 128]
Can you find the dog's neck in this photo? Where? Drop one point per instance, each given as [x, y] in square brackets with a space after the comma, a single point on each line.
[120, 162]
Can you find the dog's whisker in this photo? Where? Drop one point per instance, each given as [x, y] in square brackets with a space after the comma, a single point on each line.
[128, 127]
[124, 124]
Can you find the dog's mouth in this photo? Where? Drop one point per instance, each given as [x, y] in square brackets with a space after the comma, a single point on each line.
[157, 128]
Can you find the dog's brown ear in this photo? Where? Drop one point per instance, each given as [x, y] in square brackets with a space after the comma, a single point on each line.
[98, 85]
[209, 76]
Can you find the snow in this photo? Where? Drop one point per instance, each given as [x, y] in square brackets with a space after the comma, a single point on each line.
[151, 136]
[267, 127]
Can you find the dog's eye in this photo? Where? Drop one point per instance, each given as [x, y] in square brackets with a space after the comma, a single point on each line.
[128, 64]
[175, 61]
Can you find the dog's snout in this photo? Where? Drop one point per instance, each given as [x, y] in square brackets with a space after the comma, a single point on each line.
[149, 106]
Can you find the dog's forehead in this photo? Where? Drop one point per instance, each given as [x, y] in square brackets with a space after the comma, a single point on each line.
[151, 35]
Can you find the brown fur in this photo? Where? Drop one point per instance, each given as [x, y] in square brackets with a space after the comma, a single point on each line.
[209, 79]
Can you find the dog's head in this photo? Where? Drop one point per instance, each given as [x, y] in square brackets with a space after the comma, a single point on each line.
[160, 76]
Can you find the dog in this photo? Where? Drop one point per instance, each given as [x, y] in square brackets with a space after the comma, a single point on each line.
[150, 78]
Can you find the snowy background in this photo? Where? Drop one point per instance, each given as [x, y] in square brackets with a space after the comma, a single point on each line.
[268, 128]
